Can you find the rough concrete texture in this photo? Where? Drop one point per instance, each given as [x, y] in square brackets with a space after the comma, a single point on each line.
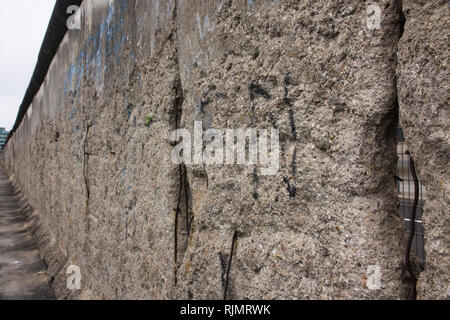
[101, 179]
[313, 70]
[424, 116]
[23, 274]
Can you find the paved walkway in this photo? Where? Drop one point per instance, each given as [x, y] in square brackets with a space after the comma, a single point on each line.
[22, 272]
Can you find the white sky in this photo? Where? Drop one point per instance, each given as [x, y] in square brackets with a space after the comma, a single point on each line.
[22, 28]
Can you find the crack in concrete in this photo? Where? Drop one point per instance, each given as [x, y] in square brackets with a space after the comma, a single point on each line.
[85, 164]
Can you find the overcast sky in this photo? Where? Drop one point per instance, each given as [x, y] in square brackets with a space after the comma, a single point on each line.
[22, 28]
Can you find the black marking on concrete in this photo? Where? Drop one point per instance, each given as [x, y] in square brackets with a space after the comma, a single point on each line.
[175, 232]
[287, 101]
[292, 122]
[56, 138]
[290, 188]
[233, 242]
[293, 164]
[256, 90]
[126, 228]
[223, 265]
[273, 121]
[85, 168]
[255, 183]
[176, 114]
[203, 104]
[288, 80]
[220, 95]
[186, 201]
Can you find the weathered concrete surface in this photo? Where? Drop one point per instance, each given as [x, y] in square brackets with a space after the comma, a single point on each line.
[424, 116]
[23, 274]
[91, 148]
[313, 70]
[105, 189]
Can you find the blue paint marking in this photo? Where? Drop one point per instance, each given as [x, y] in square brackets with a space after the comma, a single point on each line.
[90, 57]
[89, 41]
[111, 30]
[66, 89]
[110, 13]
[68, 81]
[169, 5]
[99, 51]
[80, 71]
[122, 175]
[117, 51]
[74, 111]
[123, 5]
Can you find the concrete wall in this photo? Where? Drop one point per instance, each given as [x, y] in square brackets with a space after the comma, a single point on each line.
[105, 188]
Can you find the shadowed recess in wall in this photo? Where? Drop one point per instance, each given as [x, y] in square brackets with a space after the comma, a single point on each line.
[411, 196]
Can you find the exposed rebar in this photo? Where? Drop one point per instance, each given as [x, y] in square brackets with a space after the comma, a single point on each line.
[233, 241]
[412, 227]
